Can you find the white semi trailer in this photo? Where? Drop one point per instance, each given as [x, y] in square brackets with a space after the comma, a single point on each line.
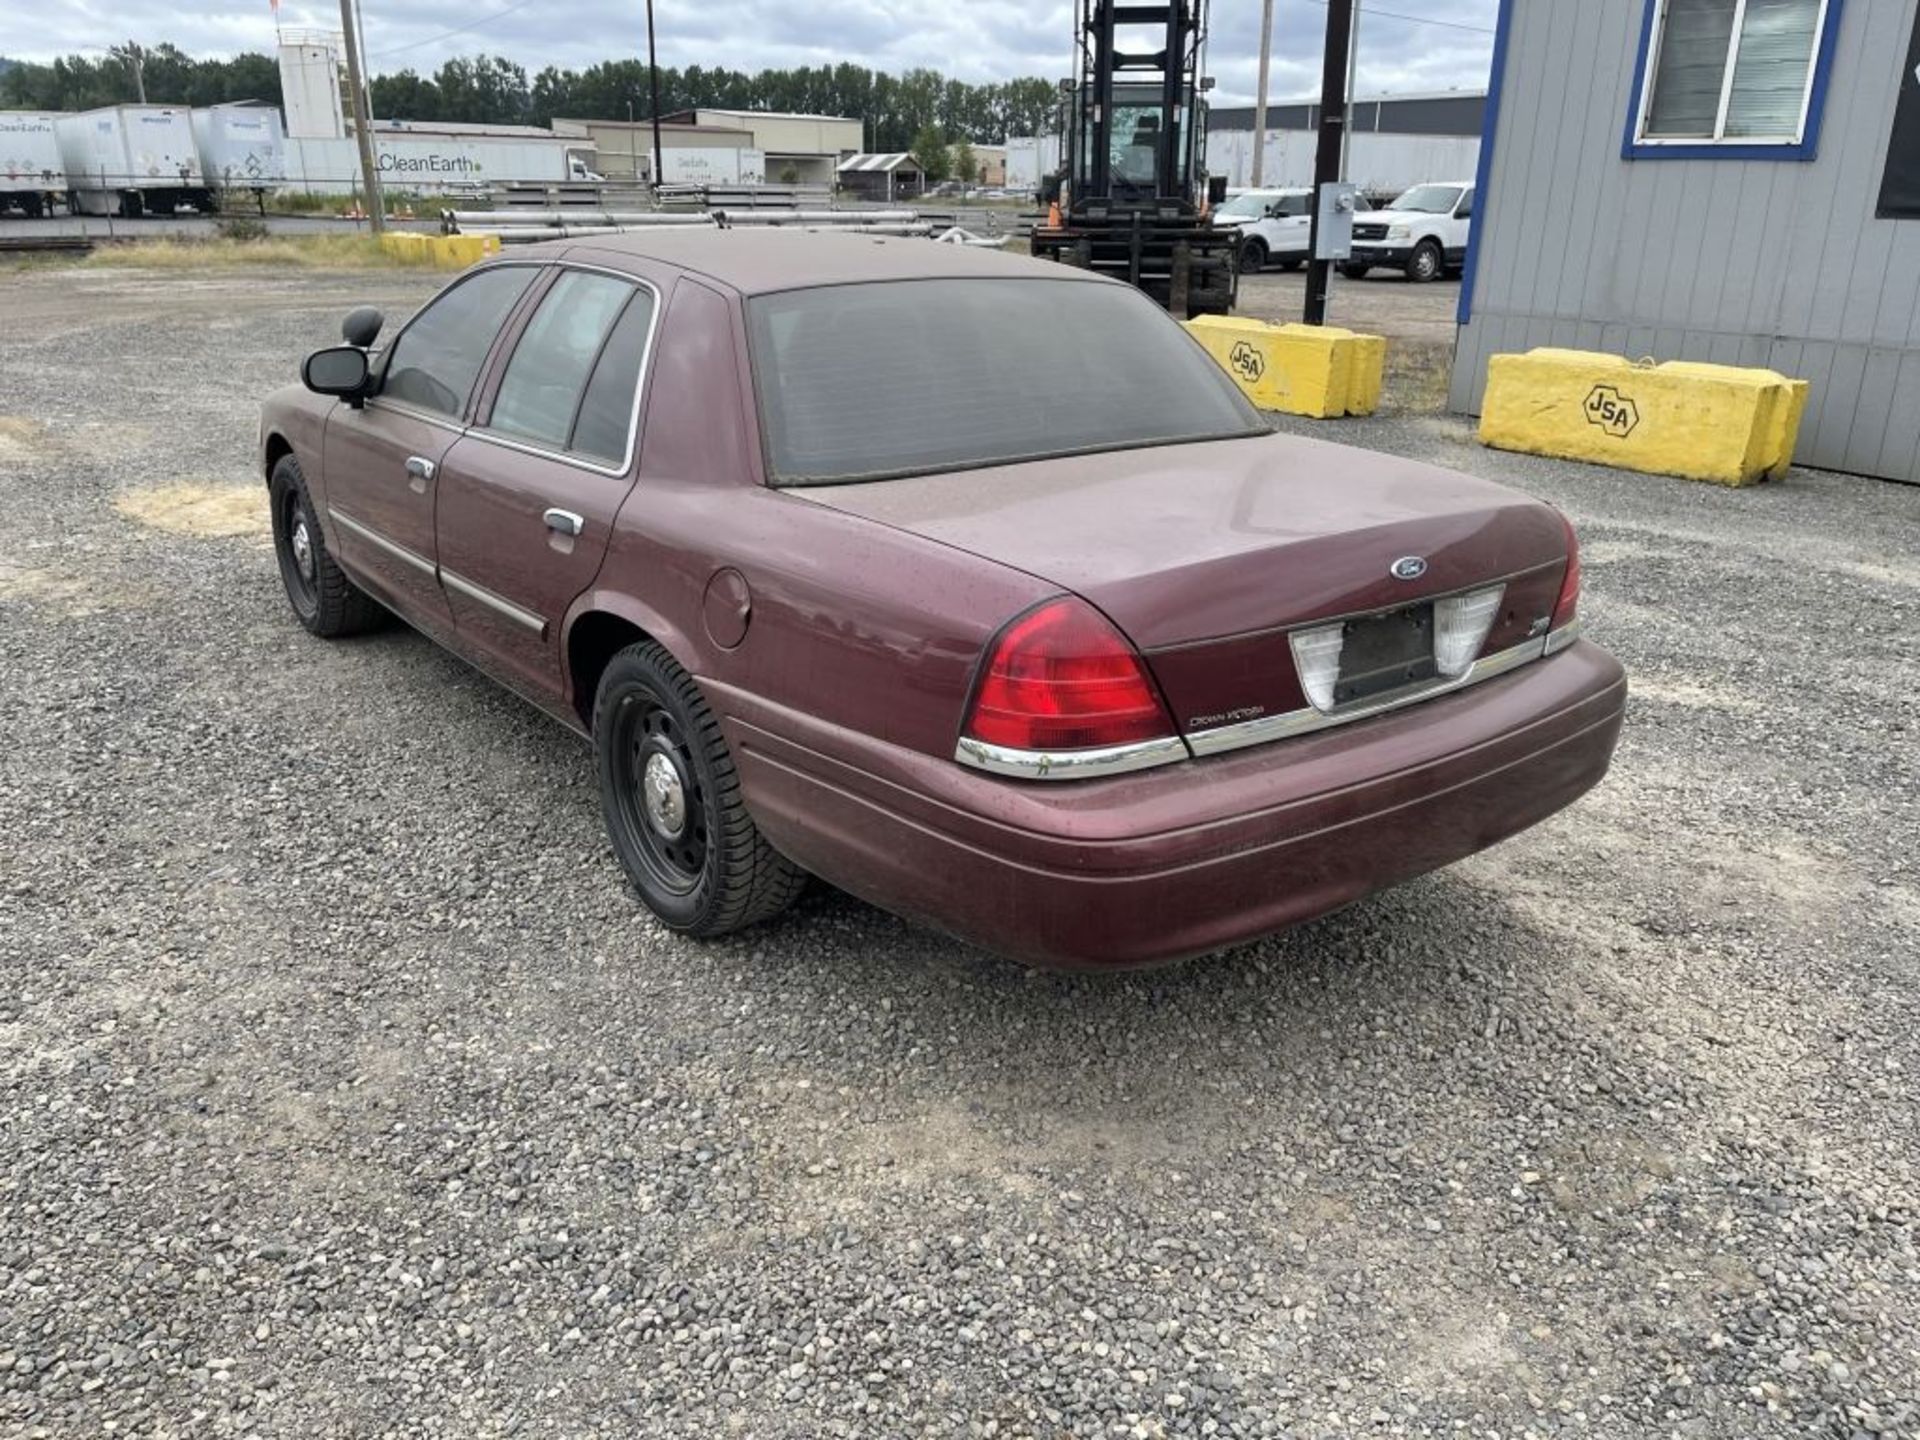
[132, 160]
[32, 179]
[241, 147]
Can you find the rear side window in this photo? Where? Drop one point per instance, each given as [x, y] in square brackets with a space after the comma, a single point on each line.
[541, 391]
[864, 382]
[607, 409]
[438, 356]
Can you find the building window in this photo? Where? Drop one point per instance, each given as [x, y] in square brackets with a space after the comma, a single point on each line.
[1740, 73]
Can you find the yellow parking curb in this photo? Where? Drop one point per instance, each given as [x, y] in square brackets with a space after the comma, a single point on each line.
[1718, 423]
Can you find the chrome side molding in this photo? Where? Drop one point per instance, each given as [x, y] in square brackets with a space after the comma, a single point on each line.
[499, 604]
[381, 543]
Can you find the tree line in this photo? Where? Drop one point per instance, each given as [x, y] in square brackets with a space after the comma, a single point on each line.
[900, 112]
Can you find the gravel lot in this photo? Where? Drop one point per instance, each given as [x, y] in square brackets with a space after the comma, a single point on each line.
[344, 1090]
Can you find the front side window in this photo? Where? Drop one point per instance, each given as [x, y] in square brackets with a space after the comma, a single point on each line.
[556, 359]
[438, 356]
[1731, 70]
[872, 381]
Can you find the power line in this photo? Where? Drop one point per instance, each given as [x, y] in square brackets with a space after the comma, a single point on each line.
[449, 34]
[1366, 10]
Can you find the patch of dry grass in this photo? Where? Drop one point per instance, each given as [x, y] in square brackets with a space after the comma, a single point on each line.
[203, 511]
[313, 252]
[1417, 376]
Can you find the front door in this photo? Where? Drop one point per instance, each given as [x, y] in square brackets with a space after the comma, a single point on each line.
[382, 461]
[528, 497]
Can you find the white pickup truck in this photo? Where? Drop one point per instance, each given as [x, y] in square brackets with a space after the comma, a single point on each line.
[1423, 233]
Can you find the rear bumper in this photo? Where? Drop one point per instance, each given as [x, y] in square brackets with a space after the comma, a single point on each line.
[1187, 858]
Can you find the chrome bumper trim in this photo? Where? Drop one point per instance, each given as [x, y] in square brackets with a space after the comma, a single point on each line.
[1558, 640]
[1302, 722]
[520, 616]
[1069, 764]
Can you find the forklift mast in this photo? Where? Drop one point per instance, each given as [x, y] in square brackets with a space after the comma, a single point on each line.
[1134, 205]
[1136, 123]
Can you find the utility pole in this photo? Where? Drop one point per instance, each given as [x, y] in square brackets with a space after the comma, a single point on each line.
[1353, 90]
[1260, 95]
[362, 123]
[136, 62]
[1326, 160]
[653, 65]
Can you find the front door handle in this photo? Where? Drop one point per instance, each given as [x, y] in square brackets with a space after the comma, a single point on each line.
[419, 467]
[565, 522]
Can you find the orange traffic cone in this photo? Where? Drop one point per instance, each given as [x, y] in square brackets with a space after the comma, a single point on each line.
[1053, 216]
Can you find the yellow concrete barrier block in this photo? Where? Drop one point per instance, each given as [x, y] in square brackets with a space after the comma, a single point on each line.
[1316, 370]
[1719, 423]
[460, 251]
[407, 244]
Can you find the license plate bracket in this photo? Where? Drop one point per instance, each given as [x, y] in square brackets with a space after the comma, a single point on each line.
[1383, 653]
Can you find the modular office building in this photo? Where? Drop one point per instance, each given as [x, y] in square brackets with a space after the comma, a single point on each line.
[1735, 181]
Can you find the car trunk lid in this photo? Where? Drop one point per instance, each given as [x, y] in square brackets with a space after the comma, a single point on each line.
[1207, 555]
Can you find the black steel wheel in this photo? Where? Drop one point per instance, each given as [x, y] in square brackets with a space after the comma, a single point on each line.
[671, 799]
[1253, 256]
[324, 600]
[1426, 263]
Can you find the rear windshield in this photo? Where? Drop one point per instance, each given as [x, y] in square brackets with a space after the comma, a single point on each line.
[864, 382]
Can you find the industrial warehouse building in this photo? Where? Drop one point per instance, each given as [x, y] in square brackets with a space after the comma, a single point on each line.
[1729, 182]
[799, 149]
[1397, 141]
[623, 151]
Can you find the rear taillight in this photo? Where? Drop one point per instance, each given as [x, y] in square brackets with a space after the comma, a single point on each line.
[1566, 610]
[1061, 677]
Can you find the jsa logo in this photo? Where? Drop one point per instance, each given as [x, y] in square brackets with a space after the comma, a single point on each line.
[1611, 411]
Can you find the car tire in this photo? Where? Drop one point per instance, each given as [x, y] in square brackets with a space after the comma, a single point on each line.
[324, 600]
[671, 799]
[1355, 272]
[1426, 263]
[1253, 256]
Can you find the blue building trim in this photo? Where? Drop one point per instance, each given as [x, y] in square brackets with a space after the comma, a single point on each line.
[1632, 148]
[1489, 127]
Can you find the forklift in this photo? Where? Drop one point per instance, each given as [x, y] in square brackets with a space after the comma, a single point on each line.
[1135, 203]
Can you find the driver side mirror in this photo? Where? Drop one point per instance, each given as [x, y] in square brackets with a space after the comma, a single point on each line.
[339, 370]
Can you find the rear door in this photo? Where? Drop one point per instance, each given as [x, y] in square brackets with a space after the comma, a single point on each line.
[382, 461]
[1293, 226]
[529, 495]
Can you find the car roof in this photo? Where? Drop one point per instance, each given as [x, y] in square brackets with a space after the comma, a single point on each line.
[768, 258]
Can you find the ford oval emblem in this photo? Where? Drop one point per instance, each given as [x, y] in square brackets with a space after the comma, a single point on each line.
[1408, 567]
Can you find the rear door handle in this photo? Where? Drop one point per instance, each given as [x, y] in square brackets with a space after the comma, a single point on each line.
[419, 467]
[565, 522]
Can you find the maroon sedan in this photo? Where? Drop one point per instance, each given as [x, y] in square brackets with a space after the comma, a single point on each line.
[965, 582]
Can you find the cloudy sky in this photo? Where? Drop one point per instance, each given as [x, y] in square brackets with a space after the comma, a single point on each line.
[1405, 45]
